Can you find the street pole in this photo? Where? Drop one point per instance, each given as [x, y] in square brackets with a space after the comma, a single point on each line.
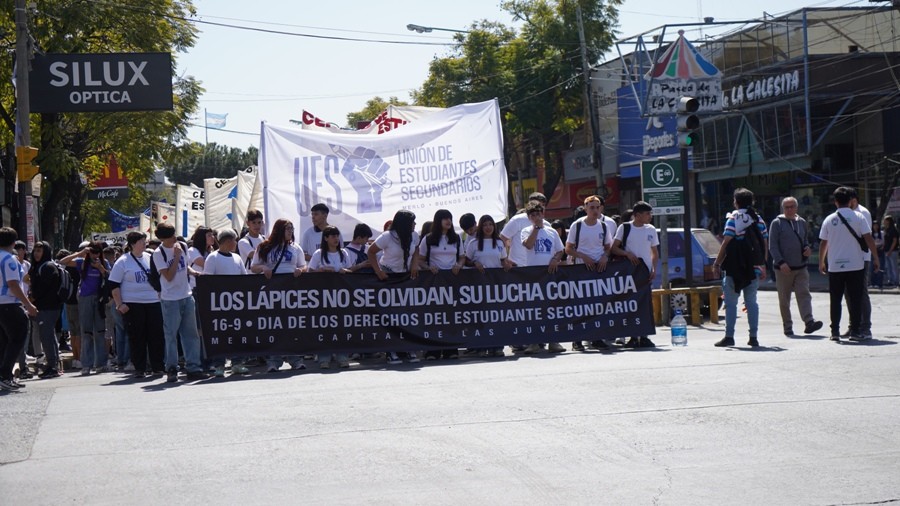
[23, 115]
[687, 180]
[589, 103]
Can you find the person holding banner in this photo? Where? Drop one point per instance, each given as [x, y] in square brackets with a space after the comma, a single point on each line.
[330, 257]
[542, 247]
[138, 302]
[224, 261]
[637, 241]
[248, 244]
[441, 250]
[588, 243]
[398, 245]
[279, 255]
[487, 255]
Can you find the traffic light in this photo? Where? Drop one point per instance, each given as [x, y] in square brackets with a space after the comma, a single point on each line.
[688, 122]
[24, 157]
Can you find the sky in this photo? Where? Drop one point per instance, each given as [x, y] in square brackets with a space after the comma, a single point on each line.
[254, 76]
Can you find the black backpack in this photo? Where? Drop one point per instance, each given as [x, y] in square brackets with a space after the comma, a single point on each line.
[153, 276]
[755, 245]
[65, 288]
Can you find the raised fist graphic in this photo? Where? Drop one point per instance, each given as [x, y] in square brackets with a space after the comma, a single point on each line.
[365, 170]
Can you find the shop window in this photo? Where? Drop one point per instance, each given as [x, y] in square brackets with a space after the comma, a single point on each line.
[770, 144]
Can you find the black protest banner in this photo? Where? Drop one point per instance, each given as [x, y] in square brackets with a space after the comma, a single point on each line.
[319, 312]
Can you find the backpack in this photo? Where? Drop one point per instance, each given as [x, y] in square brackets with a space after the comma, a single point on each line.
[65, 288]
[755, 244]
[153, 276]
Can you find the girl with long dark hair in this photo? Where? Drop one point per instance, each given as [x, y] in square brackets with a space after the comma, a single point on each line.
[442, 250]
[93, 270]
[330, 257]
[399, 253]
[279, 255]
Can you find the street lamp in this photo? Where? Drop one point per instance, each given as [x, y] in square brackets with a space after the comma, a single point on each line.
[428, 29]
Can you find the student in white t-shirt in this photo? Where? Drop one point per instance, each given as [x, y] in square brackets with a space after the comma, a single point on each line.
[279, 255]
[542, 247]
[203, 242]
[486, 250]
[225, 261]
[442, 250]
[312, 236]
[511, 233]
[638, 240]
[398, 245]
[329, 256]
[247, 245]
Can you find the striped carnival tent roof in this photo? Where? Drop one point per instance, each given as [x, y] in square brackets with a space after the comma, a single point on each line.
[682, 61]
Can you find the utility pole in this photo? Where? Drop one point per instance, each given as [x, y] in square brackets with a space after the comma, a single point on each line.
[23, 117]
[589, 103]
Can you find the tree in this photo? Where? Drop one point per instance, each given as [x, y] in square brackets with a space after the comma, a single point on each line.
[374, 107]
[535, 74]
[73, 145]
[199, 162]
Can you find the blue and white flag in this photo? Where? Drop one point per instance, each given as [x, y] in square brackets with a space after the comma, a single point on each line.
[122, 222]
[216, 121]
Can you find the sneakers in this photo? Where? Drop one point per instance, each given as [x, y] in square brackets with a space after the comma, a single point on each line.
[345, 364]
[9, 385]
[790, 333]
[577, 346]
[220, 372]
[499, 352]
[812, 326]
[753, 342]
[272, 369]
[199, 375]
[324, 365]
[599, 344]
[394, 359]
[861, 337]
[645, 342]
[171, 375]
[725, 341]
[86, 371]
[139, 375]
[129, 367]
[298, 365]
[555, 348]
[532, 348]
[414, 359]
[632, 343]
[49, 373]
[836, 339]
[239, 369]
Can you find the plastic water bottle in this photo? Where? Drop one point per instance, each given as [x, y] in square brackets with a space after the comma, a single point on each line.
[679, 329]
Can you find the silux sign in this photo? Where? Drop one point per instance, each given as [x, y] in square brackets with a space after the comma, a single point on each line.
[101, 82]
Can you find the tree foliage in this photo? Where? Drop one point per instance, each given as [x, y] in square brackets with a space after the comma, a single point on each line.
[72, 145]
[210, 161]
[373, 108]
[535, 73]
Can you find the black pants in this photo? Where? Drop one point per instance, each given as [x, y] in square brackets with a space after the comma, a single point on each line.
[851, 285]
[145, 336]
[13, 334]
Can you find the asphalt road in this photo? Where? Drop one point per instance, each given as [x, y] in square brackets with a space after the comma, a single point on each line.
[799, 421]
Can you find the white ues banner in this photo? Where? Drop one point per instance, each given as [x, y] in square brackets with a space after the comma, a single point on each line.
[244, 199]
[450, 159]
[219, 194]
[145, 225]
[189, 201]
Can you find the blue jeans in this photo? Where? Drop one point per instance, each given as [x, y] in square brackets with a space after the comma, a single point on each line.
[180, 319]
[731, 300]
[890, 268]
[94, 351]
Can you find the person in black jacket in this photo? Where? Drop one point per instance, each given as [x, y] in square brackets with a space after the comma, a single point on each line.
[45, 279]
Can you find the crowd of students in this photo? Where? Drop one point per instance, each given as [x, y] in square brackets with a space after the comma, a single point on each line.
[120, 318]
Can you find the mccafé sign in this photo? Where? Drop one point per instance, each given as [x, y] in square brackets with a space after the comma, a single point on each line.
[101, 82]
